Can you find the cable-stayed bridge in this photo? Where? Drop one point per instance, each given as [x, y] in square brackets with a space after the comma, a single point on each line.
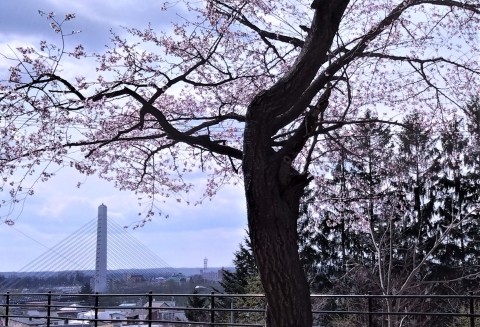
[102, 250]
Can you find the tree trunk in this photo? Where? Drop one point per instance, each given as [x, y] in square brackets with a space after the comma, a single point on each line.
[282, 277]
[272, 187]
[273, 210]
[274, 241]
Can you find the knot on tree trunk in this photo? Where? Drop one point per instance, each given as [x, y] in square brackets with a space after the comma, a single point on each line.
[290, 180]
[291, 183]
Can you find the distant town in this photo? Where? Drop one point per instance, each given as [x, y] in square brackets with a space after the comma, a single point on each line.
[181, 280]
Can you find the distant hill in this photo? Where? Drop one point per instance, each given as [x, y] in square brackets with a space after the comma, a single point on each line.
[197, 271]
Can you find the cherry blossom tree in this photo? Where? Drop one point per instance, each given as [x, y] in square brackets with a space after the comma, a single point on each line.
[239, 88]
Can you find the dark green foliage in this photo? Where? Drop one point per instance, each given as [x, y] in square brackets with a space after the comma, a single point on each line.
[318, 257]
[86, 288]
[244, 280]
[245, 269]
[197, 302]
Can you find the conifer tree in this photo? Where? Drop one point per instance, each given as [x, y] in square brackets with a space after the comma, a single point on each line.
[197, 302]
[236, 282]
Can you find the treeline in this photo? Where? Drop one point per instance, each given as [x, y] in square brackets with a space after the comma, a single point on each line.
[42, 281]
[396, 212]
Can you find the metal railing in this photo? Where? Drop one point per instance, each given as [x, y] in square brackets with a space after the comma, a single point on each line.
[378, 312]
[214, 309]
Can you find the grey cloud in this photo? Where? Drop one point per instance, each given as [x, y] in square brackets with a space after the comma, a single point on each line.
[93, 18]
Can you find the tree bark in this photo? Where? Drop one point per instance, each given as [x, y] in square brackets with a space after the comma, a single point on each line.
[273, 209]
[272, 224]
[283, 279]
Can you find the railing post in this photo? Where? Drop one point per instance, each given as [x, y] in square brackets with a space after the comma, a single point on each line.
[212, 308]
[232, 313]
[96, 308]
[7, 308]
[370, 309]
[472, 309]
[49, 307]
[150, 311]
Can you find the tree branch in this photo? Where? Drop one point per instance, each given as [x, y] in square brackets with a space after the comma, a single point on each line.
[264, 35]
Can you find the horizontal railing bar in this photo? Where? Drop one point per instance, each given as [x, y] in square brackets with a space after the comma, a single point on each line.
[386, 313]
[391, 296]
[140, 294]
[129, 320]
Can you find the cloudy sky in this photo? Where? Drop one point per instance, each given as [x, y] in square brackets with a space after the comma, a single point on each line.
[213, 230]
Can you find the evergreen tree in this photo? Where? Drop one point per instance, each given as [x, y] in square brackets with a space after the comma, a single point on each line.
[417, 159]
[458, 189]
[197, 302]
[357, 193]
[311, 242]
[244, 280]
[245, 268]
[86, 288]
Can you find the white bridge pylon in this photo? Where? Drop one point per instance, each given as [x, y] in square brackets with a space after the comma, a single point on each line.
[100, 284]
